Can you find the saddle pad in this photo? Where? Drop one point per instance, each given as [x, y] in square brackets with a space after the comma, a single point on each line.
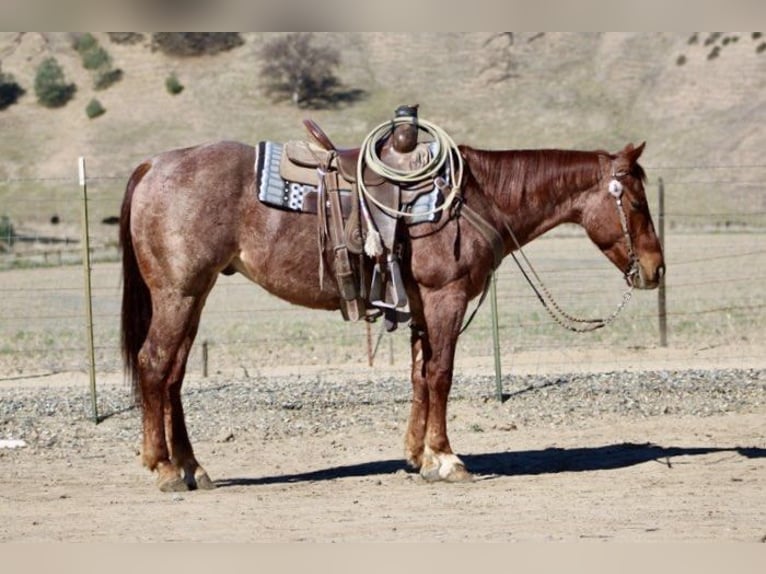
[274, 190]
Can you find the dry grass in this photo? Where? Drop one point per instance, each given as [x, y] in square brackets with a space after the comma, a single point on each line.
[715, 312]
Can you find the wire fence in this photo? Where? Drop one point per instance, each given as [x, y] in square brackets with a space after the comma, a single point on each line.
[715, 220]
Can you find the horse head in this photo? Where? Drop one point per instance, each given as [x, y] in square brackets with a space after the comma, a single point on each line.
[616, 217]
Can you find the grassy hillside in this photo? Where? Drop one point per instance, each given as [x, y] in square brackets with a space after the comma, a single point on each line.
[697, 99]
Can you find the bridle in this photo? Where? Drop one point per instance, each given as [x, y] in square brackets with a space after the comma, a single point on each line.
[616, 189]
[567, 321]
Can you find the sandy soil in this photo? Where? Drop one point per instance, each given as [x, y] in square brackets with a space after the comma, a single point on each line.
[318, 457]
[339, 476]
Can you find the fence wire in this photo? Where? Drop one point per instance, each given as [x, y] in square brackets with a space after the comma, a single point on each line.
[715, 220]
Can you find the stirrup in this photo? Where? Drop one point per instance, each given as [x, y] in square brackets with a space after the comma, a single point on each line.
[395, 296]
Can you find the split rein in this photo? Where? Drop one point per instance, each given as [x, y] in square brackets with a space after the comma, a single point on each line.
[564, 319]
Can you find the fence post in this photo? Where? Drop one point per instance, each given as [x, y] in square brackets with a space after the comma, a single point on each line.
[88, 292]
[204, 358]
[496, 338]
[370, 356]
[661, 302]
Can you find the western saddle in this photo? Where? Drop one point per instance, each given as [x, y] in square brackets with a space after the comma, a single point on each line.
[359, 209]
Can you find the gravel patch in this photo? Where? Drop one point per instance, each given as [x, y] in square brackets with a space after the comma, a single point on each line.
[51, 418]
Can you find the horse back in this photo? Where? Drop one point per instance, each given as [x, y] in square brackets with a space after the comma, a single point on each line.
[196, 214]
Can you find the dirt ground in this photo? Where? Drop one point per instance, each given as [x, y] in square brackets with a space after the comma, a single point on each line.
[612, 477]
[674, 462]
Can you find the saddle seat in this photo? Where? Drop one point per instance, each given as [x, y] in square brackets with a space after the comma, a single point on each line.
[346, 159]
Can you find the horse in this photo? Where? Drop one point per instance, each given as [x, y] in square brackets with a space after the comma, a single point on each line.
[189, 215]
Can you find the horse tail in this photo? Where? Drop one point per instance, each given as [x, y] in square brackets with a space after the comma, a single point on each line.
[136, 300]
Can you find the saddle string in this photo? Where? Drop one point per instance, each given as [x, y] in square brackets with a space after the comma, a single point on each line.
[322, 229]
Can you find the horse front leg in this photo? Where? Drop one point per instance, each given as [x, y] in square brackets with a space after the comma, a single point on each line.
[433, 349]
[438, 461]
[416, 427]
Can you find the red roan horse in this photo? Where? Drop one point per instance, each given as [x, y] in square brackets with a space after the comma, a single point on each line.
[191, 214]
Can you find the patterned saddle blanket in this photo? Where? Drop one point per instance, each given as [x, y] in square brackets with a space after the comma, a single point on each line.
[287, 178]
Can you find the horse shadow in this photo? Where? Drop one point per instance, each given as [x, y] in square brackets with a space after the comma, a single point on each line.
[518, 463]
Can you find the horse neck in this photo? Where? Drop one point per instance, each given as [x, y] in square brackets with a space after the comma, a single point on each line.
[533, 191]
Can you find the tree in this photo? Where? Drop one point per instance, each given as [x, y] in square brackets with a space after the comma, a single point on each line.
[50, 86]
[295, 68]
[196, 43]
[10, 90]
[173, 85]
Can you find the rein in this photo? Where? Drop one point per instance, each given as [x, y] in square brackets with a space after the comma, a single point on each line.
[564, 319]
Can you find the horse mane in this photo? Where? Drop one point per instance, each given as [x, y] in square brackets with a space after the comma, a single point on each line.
[535, 175]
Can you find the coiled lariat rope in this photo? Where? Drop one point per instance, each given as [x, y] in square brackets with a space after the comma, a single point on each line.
[445, 152]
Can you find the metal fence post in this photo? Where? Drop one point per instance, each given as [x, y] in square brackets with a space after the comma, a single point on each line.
[88, 292]
[496, 339]
[204, 358]
[661, 302]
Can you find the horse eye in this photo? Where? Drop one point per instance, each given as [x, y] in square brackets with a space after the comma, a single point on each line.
[635, 204]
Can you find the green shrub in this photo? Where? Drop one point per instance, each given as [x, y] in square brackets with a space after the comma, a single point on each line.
[172, 85]
[85, 42]
[196, 43]
[10, 91]
[7, 233]
[105, 78]
[128, 38]
[51, 88]
[94, 109]
[96, 59]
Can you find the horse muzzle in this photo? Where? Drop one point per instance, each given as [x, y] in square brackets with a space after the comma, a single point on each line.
[645, 277]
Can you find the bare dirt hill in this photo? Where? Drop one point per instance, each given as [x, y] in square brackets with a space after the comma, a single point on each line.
[695, 97]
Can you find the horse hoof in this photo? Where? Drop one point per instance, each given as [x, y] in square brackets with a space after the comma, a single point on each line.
[175, 484]
[447, 468]
[430, 474]
[458, 473]
[203, 481]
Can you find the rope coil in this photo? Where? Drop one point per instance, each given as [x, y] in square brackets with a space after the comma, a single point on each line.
[446, 152]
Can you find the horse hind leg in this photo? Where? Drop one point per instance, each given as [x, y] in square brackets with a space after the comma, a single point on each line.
[177, 437]
[162, 364]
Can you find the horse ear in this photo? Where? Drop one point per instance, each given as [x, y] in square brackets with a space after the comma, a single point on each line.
[633, 153]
